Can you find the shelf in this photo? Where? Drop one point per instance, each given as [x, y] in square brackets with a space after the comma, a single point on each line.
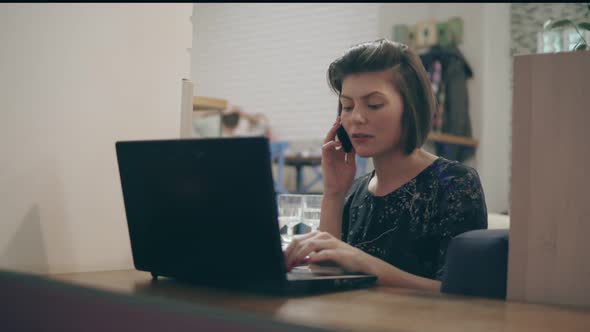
[208, 103]
[453, 139]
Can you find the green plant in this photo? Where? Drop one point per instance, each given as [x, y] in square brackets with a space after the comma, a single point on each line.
[582, 44]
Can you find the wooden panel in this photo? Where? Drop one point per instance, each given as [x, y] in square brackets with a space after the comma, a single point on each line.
[550, 215]
[544, 185]
[521, 119]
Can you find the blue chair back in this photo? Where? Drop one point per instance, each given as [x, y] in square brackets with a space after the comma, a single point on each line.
[477, 264]
[277, 152]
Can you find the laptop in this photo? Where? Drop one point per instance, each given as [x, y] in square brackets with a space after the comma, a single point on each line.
[205, 211]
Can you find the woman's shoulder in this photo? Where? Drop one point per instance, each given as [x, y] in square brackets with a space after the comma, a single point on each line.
[448, 170]
[459, 184]
[451, 167]
[453, 176]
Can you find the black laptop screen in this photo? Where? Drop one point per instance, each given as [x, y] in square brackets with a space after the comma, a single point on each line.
[203, 209]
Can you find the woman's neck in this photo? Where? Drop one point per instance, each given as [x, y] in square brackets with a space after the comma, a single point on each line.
[394, 169]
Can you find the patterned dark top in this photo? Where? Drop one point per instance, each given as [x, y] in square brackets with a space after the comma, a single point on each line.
[411, 227]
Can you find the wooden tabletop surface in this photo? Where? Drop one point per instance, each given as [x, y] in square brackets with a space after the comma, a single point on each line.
[376, 309]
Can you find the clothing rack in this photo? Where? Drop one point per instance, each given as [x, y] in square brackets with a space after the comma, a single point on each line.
[426, 34]
[421, 37]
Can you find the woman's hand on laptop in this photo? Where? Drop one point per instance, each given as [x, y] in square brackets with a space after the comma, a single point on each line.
[321, 248]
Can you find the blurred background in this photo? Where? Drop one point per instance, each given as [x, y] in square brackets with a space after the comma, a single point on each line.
[271, 59]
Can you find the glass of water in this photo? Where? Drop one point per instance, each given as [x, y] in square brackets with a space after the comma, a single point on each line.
[311, 211]
[290, 213]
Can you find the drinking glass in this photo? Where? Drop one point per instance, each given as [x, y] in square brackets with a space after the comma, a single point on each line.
[290, 213]
[311, 211]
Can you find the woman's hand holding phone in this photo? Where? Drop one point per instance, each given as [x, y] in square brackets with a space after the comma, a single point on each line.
[338, 167]
[344, 139]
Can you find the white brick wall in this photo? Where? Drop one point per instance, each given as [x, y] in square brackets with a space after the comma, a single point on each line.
[272, 58]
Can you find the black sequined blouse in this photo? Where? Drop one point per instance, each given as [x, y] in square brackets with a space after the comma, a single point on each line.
[411, 227]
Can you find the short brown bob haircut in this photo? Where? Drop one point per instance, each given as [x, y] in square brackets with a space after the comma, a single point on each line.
[408, 77]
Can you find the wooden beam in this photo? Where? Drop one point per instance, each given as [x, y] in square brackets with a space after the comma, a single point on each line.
[208, 103]
[453, 139]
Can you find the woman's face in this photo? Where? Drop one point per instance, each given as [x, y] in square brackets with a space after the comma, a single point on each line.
[371, 113]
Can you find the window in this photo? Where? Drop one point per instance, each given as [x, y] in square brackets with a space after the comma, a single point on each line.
[559, 40]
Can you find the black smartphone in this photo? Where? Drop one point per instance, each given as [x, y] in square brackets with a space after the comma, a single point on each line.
[342, 134]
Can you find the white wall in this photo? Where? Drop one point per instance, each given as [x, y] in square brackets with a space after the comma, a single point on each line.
[496, 116]
[273, 58]
[75, 78]
[486, 46]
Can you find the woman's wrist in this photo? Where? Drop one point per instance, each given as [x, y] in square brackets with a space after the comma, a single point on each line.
[331, 214]
[391, 276]
[334, 196]
[370, 264]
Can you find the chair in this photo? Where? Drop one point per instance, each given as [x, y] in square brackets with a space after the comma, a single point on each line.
[317, 170]
[277, 152]
[477, 264]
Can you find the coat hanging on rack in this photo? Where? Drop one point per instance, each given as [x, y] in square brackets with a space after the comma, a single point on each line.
[451, 92]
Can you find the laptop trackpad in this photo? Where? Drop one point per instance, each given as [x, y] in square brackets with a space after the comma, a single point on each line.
[318, 272]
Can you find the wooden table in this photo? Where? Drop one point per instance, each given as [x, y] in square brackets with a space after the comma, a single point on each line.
[299, 162]
[376, 309]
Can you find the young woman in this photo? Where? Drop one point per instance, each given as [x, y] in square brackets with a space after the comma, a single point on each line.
[395, 222]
